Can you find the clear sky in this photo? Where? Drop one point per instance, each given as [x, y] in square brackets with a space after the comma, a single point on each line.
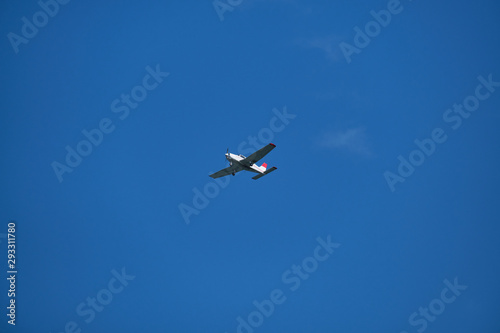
[383, 215]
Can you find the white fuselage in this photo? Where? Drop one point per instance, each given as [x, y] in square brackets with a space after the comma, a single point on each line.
[233, 158]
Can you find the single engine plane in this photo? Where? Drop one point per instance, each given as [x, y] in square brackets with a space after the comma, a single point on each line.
[239, 163]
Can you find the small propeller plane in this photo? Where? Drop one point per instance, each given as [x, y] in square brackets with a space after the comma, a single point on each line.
[239, 163]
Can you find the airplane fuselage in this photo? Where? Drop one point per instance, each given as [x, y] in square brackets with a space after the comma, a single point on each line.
[240, 159]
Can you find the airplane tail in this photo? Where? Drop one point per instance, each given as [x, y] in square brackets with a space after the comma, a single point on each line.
[264, 173]
[264, 166]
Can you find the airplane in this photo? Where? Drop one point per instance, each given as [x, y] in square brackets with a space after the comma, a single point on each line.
[239, 163]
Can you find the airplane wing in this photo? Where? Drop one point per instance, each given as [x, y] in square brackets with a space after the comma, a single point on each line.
[227, 171]
[259, 154]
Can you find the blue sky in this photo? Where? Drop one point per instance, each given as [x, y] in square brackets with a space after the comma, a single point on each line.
[113, 228]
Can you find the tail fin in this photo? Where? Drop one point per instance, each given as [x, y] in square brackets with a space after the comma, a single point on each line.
[264, 165]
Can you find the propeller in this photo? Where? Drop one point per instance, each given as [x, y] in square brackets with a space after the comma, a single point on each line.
[227, 152]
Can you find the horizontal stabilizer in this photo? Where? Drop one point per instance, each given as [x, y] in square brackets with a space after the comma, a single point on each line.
[265, 173]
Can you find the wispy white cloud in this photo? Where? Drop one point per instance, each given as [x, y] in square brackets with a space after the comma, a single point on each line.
[353, 140]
